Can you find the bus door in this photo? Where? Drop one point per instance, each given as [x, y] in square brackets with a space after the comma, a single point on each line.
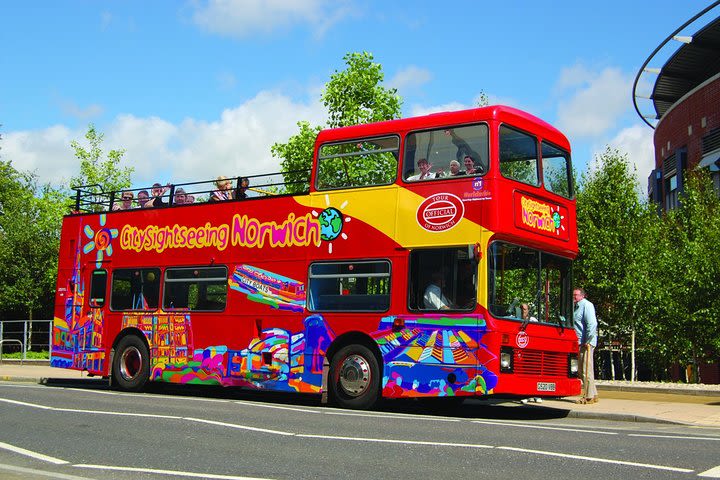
[443, 290]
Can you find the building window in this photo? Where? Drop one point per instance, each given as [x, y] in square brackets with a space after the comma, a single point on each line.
[711, 141]
[196, 288]
[361, 286]
[671, 192]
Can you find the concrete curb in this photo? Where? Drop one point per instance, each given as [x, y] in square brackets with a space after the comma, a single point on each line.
[668, 390]
[622, 417]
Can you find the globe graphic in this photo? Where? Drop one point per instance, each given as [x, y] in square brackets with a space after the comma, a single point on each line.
[556, 220]
[330, 224]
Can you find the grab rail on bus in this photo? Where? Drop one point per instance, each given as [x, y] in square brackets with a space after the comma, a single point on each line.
[12, 340]
[92, 199]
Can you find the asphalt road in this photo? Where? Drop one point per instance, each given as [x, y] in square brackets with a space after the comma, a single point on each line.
[84, 430]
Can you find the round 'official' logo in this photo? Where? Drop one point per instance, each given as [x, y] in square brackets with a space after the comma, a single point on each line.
[440, 212]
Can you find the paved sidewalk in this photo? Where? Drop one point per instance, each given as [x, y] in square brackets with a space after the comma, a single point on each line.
[638, 402]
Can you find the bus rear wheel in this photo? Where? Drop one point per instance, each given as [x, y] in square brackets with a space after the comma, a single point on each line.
[131, 364]
[354, 377]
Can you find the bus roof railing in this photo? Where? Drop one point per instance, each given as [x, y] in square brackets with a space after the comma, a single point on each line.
[92, 199]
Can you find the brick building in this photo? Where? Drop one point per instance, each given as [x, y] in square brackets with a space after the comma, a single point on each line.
[686, 100]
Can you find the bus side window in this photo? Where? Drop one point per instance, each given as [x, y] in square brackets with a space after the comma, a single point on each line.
[361, 286]
[442, 278]
[135, 289]
[196, 288]
[98, 288]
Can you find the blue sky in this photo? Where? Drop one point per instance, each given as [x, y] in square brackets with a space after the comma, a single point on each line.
[195, 89]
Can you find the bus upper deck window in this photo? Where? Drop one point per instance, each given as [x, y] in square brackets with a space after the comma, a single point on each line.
[446, 152]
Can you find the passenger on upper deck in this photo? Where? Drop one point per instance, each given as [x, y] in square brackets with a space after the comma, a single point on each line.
[180, 197]
[470, 168]
[425, 173]
[224, 190]
[455, 168]
[126, 204]
[189, 199]
[157, 192]
[143, 197]
[241, 192]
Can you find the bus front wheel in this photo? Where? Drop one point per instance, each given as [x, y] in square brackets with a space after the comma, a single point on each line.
[131, 364]
[354, 377]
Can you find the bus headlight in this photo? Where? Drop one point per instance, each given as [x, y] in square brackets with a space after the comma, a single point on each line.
[573, 365]
[506, 359]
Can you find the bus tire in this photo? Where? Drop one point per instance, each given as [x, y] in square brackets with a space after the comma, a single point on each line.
[354, 378]
[131, 364]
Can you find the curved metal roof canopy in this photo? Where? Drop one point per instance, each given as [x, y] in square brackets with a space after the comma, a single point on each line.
[690, 66]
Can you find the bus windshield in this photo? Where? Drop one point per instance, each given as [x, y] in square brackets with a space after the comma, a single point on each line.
[529, 285]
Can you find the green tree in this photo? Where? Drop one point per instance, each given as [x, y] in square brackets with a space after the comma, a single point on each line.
[352, 96]
[100, 174]
[30, 236]
[692, 287]
[611, 220]
[296, 157]
[355, 95]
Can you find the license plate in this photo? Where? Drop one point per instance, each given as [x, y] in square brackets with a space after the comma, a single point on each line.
[545, 387]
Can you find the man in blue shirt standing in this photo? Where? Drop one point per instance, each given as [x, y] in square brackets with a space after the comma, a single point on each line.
[586, 329]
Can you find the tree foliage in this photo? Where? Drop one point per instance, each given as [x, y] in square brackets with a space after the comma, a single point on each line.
[610, 230]
[29, 241]
[656, 274]
[352, 96]
[105, 174]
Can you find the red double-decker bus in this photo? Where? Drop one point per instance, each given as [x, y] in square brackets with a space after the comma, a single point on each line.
[421, 257]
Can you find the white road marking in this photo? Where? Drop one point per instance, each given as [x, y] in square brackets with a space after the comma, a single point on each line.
[175, 473]
[240, 427]
[712, 473]
[94, 412]
[36, 473]
[328, 437]
[278, 407]
[29, 453]
[677, 437]
[392, 415]
[543, 427]
[597, 459]
[403, 442]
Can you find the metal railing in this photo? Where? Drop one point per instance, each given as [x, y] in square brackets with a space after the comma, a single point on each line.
[29, 335]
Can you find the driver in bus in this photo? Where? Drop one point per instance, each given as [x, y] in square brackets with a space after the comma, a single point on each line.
[434, 299]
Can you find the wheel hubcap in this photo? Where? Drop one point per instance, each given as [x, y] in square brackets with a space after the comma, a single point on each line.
[130, 363]
[355, 375]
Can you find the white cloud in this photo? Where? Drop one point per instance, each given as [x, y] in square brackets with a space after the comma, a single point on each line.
[417, 110]
[73, 110]
[637, 143]
[240, 18]
[592, 102]
[410, 77]
[237, 143]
